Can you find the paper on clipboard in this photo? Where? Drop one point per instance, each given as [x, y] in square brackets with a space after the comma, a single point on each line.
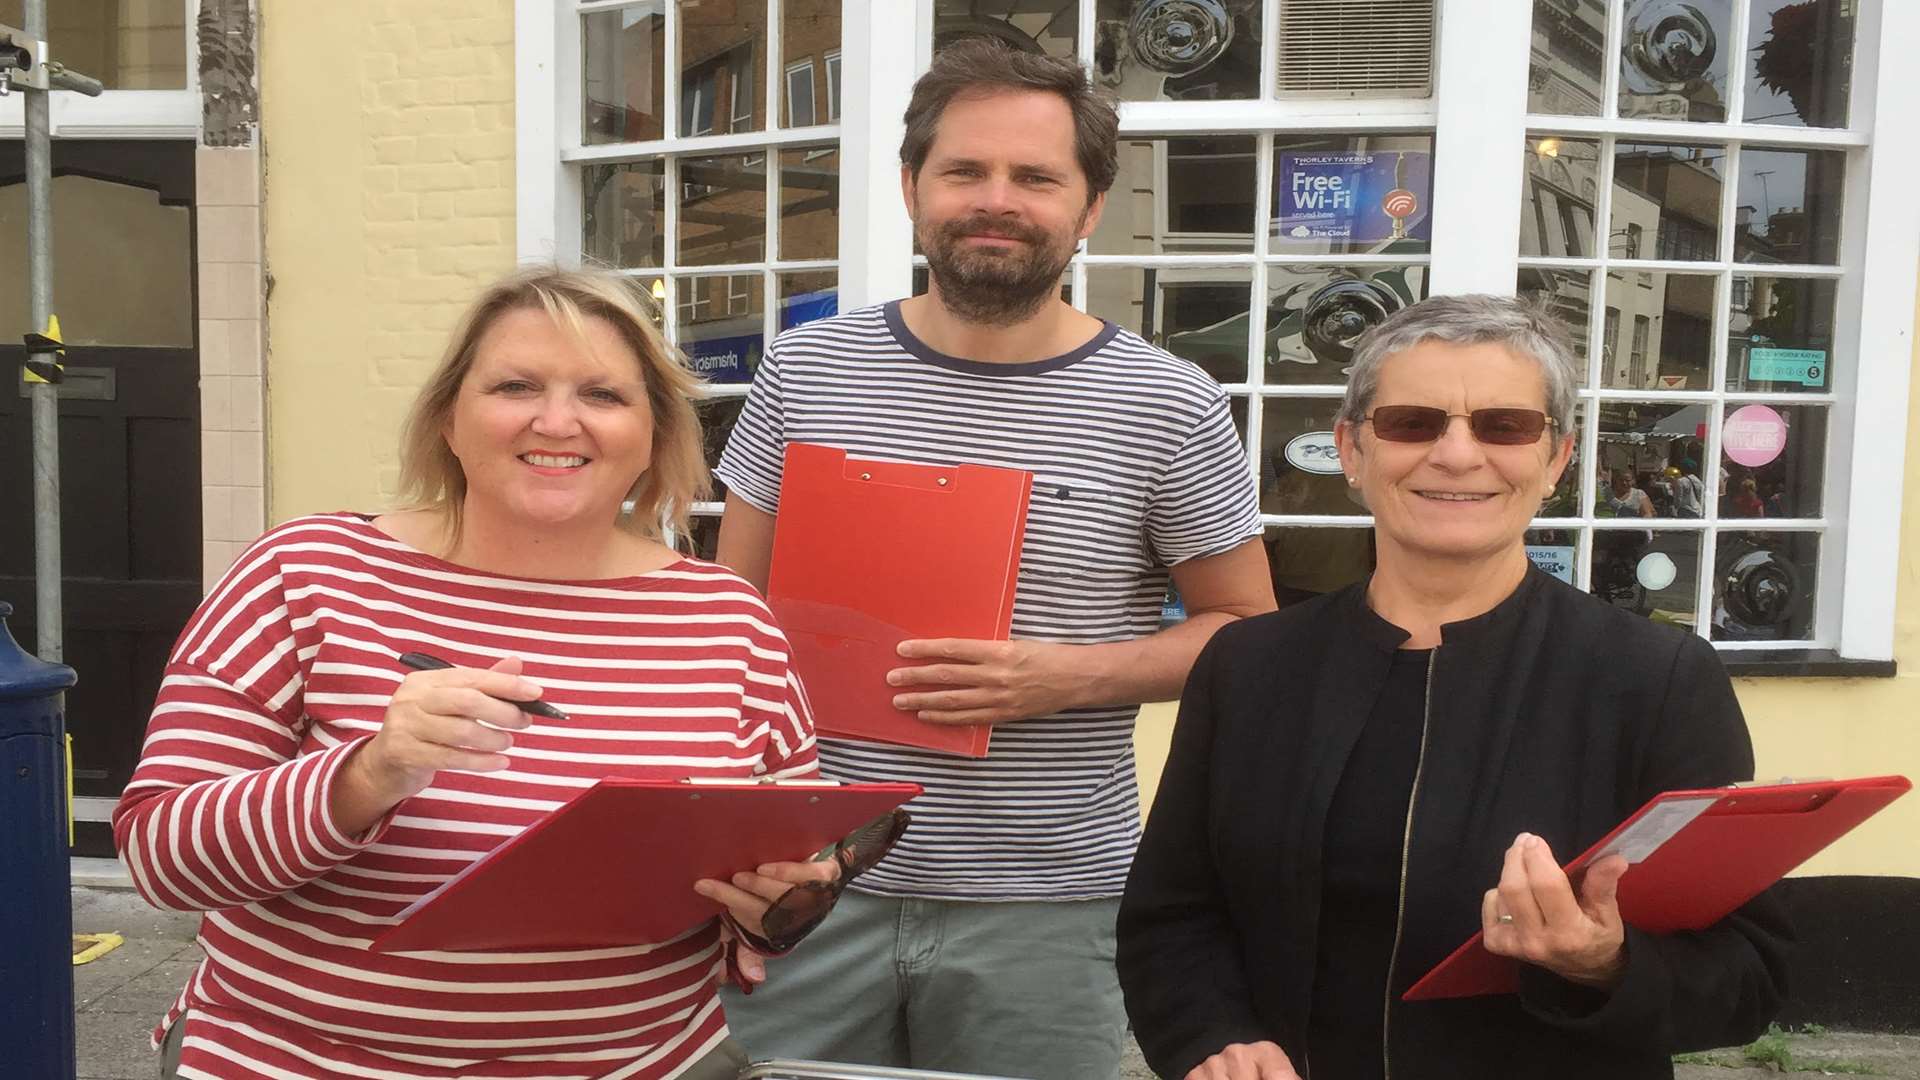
[1658, 825]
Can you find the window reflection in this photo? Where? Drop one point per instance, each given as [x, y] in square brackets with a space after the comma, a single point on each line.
[806, 296]
[1565, 498]
[723, 209]
[1666, 201]
[1353, 194]
[1041, 26]
[1567, 295]
[1673, 59]
[1562, 189]
[722, 46]
[717, 417]
[1650, 572]
[1315, 314]
[810, 203]
[1780, 334]
[1763, 586]
[1772, 461]
[126, 45]
[1788, 205]
[1179, 195]
[1198, 313]
[1800, 62]
[624, 213]
[622, 73]
[1658, 333]
[1178, 50]
[1569, 39]
[810, 62]
[720, 326]
[1307, 561]
[1654, 450]
[1299, 465]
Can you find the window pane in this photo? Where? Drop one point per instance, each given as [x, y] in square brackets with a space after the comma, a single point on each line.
[723, 209]
[1780, 335]
[722, 51]
[1666, 201]
[720, 325]
[705, 534]
[1567, 295]
[1673, 60]
[1199, 313]
[1309, 561]
[1763, 586]
[1649, 572]
[1299, 466]
[128, 45]
[799, 95]
[1789, 206]
[717, 417]
[122, 266]
[1569, 39]
[1555, 551]
[809, 33]
[806, 296]
[1352, 193]
[1179, 195]
[1562, 189]
[1655, 448]
[625, 213]
[622, 73]
[1316, 313]
[1041, 26]
[1772, 461]
[1659, 331]
[1800, 62]
[810, 203]
[1177, 50]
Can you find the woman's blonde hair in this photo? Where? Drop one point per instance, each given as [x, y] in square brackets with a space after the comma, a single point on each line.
[662, 497]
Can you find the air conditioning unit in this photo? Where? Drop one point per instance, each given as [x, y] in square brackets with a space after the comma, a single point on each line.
[1356, 48]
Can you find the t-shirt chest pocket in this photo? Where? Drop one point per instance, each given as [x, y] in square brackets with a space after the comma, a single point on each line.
[1077, 527]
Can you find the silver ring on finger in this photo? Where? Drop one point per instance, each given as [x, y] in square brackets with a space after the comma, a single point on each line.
[1504, 919]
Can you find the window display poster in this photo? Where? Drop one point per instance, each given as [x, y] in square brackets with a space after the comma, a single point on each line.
[1357, 197]
[725, 359]
[1555, 559]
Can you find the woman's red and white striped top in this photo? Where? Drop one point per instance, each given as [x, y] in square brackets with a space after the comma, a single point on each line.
[680, 672]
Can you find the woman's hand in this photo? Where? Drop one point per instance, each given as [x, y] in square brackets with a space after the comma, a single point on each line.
[1246, 1061]
[446, 719]
[751, 892]
[1581, 940]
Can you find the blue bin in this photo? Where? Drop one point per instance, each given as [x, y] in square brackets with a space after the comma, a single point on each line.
[36, 960]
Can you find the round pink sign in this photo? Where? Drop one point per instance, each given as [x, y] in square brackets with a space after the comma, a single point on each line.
[1754, 435]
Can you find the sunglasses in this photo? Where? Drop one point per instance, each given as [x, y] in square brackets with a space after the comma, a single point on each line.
[802, 908]
[1424, 423]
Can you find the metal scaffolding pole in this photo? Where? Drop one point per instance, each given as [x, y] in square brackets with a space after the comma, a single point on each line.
[25, 65]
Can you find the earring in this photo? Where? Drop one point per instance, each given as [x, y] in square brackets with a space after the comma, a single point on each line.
[1353, 481]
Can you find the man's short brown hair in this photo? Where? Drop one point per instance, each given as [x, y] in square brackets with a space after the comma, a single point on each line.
[990, 64]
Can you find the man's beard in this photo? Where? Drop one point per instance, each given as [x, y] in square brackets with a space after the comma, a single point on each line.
[994, 287]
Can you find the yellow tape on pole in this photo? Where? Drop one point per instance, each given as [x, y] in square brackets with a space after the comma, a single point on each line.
[43, 345]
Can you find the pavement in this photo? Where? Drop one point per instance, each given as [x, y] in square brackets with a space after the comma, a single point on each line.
[120, 996]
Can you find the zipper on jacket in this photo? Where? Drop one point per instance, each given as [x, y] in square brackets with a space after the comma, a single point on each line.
[1406, 849]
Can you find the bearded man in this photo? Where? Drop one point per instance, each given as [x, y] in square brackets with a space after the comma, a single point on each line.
[984, 943]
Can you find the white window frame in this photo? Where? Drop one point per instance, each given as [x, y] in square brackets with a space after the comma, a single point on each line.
[833, 86]
[1478, 116]
[798, 68]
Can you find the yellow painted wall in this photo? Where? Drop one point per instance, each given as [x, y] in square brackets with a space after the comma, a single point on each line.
[389, 202]
[1801, 727]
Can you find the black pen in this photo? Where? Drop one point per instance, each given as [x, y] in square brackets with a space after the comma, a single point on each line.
[423, 662]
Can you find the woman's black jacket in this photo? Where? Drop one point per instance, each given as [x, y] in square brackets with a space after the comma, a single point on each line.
[1555, 714]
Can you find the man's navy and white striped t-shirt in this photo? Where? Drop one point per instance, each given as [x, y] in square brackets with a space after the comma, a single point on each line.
[1137, 467]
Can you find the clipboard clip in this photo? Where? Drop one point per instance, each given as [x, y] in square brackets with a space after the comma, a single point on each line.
[1781, 782]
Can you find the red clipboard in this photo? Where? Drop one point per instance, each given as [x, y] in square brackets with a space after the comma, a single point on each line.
[867, 554]
[616, 864]
[1696, 856]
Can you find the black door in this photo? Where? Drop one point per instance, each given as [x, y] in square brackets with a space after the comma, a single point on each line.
[129, 448]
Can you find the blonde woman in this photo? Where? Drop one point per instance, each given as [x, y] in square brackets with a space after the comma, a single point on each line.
[301, 786]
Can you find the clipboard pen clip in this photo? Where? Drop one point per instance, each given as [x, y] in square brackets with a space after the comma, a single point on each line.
[1782, 782]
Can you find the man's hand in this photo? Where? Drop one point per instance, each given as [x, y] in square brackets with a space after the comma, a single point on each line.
[1581, 940]
[1246, 1061]
[992, 682]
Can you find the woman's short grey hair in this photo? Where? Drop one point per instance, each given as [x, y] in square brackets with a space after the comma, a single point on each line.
[1472, 319]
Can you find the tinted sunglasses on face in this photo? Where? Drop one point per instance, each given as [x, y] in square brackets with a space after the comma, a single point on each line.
[803, 907]
[1424, 423]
